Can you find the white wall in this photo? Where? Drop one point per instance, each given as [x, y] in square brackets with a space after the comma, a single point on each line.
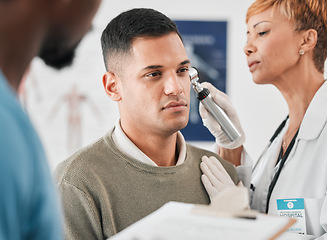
[260, 108]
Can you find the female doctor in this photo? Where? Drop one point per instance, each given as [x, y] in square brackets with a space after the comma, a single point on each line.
[287, 47]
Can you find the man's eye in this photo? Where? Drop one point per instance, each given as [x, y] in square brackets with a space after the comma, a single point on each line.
[184, 69]
[153, 74]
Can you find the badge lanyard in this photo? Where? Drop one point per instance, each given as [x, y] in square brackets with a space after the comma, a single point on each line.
[282, 162]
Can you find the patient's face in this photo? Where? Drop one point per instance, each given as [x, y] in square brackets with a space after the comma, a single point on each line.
[155, 87]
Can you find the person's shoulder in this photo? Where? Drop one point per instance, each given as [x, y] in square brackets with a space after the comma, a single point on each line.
[13, 118]
[19, 142]
[81, 163]
[199, 153]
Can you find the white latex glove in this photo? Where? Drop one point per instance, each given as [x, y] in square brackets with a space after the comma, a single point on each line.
[215, 178]
[208, 121]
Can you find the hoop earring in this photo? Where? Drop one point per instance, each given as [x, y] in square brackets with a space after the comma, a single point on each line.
[301, 52]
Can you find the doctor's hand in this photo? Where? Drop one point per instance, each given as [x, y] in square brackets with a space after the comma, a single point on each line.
[215, 178]
[223, 101]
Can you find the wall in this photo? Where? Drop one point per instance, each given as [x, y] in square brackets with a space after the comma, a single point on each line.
[260, 108]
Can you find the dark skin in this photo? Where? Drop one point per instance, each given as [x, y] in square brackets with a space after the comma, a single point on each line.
[25, 24]
[19, 43]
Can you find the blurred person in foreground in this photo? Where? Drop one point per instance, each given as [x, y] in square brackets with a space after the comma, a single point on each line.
[144, 161]
[286, 47]
[50, 29]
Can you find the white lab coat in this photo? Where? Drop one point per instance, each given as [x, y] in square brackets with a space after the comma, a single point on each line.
[304, 174]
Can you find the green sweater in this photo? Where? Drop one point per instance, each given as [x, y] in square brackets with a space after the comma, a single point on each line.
[104, 191]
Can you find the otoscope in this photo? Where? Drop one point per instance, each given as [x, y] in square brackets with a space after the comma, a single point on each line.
[203, 95]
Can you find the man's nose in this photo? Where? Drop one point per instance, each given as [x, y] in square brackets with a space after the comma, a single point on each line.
[173, 85]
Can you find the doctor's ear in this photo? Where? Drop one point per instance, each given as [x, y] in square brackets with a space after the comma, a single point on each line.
[309, 41]
[110, 84]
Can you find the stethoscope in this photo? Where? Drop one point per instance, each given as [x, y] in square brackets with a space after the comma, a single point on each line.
[276, 133]
[282, 159]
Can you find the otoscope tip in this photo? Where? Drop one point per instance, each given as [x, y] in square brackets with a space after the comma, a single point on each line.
[193, 74]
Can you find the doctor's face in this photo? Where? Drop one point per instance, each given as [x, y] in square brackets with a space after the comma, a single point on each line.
[155, 86]
[272, 47]
[66, 32]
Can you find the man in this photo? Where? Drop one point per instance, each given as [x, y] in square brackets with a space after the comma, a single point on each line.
[52, 30]
[143, 162]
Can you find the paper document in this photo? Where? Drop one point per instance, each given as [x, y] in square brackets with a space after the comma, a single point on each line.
[177, 221]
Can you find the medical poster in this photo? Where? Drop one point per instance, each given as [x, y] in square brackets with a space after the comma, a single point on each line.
[205, 43]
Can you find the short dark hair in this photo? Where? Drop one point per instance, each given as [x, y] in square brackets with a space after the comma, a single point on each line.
[119, 34]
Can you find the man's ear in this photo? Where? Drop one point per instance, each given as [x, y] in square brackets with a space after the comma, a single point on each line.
[110, 85]
[309, 40]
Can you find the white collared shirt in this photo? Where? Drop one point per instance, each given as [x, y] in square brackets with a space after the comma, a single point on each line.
[125, 145]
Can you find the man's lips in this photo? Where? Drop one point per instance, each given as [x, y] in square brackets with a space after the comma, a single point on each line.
[175, 105]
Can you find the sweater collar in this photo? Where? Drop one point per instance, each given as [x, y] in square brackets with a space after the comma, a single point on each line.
[125, 145]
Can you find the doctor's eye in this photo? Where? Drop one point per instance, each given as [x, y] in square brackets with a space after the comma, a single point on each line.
[263, 33]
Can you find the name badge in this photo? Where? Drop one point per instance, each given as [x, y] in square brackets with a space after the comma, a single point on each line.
[293, 208]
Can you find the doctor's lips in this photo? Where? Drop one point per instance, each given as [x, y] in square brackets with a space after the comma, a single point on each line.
[175, 105]
[252, 64]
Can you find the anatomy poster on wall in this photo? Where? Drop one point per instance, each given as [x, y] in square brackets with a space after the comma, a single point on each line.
[205, 43]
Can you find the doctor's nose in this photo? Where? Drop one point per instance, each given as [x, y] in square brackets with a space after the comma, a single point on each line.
[249, 48]
[172, 85]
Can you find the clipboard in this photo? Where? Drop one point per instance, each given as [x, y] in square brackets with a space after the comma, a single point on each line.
[185, 221]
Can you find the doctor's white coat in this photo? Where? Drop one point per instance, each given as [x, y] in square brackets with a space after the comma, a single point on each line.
[304, 174]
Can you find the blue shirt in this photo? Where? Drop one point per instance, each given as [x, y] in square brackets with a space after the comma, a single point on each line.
[28, 201]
